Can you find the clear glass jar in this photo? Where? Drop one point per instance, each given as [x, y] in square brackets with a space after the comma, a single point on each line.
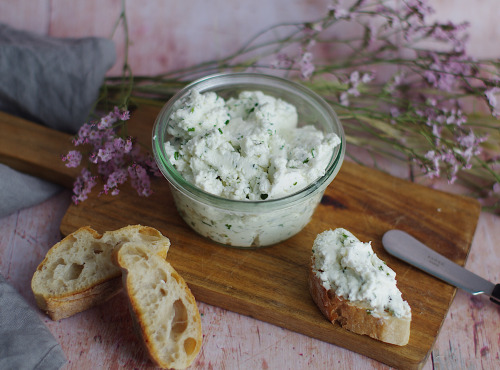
[243, 223]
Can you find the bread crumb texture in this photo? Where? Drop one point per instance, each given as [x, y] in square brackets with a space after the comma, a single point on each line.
[164, 308]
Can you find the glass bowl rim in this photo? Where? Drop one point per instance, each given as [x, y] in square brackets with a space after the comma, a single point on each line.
[196, 193]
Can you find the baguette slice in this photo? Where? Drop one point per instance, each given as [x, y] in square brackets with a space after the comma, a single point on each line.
[78, 272]
[163, 309]
[360, 315]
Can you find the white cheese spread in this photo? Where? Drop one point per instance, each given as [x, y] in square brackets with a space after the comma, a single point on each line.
[352, 270]
[246, 148]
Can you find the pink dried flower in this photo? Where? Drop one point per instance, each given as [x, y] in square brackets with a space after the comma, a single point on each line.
[104, 155]
[116, 158]
[496, 188]
[433, 170]
[453, 159]
[83, 186]
[394, 112]
[127, 147]
[491, 96]
[306, 66]
[122, 115]
[353, 82]
[344, 99]
[140, 179]
[115, 179]
[282, 61]
[74, 157]
[338, 11]
[83, 134]
[107, 121]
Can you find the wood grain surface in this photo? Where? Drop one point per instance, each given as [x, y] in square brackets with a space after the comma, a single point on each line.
[35, 149]
[101, 337]
[270, 283]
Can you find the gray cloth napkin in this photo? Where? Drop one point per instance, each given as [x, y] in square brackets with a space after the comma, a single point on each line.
[52, 81]
[18, 190]
[25, 341]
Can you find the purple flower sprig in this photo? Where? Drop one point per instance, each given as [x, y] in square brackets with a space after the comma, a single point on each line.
[400, 80]
[114, 158]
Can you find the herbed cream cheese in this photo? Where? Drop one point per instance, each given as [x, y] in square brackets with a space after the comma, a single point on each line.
[246, 148]
[352, 270]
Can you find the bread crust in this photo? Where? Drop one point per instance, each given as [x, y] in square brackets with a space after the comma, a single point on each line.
[356, 317]
[61, 307]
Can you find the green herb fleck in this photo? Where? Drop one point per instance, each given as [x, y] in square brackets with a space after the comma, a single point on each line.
[176, 155]
[368, 312]
[253, 108]
[264, 196]
[390, 311]
[220, 130]
[191, 129]
[295, 183]
[306, 160]
[228, 226]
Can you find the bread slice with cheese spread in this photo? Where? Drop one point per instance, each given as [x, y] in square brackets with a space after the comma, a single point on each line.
[163, 309]
[353, 287]
[78, 272]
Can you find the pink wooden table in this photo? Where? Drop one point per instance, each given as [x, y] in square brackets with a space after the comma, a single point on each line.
[103, 338]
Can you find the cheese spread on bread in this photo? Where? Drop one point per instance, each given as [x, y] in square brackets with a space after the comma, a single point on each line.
[351, 269]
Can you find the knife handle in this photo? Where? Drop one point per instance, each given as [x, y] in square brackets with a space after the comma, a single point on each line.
[495, 295]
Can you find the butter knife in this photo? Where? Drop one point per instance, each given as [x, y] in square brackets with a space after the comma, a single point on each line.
[405, 247]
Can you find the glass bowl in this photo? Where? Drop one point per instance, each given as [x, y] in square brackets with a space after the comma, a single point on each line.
[244, 223]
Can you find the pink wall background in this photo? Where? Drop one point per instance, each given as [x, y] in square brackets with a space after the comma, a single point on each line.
[169, 34]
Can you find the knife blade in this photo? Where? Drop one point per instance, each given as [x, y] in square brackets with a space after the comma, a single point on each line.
[405, 247]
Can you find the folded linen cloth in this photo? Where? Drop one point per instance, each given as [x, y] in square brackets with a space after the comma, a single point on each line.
[25, 341]
[18, 190]
[52, 81]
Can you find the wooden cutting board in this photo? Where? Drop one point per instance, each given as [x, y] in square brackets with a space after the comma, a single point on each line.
[270, 284]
